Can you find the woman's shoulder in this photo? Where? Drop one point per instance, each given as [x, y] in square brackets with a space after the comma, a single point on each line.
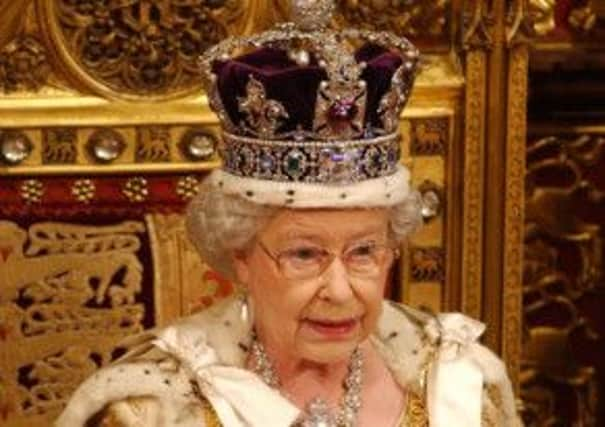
[156, 369]
[146, 381]
[429, 343]
[412, 331]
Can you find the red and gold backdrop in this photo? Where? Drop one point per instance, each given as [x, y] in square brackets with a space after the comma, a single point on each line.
[105, 135]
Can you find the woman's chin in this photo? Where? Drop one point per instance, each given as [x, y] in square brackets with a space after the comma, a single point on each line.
[328, 352]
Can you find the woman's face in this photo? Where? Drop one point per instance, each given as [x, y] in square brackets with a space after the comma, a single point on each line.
[320, 318]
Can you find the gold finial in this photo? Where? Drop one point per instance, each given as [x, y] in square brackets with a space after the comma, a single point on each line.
[311, 15]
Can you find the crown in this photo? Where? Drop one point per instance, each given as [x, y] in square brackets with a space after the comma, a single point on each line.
[305, 103]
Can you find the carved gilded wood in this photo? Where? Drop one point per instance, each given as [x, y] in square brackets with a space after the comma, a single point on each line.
[415, 18]
[179, 276]
[514, 208]
[563, 216]
[561, 371]
[579, 19]
[69, 294]
[430, 23]
[137, 49]
[491, 50]
[476, 41]
[102, 126]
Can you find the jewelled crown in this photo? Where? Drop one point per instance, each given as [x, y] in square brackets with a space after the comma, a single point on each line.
[305, 103]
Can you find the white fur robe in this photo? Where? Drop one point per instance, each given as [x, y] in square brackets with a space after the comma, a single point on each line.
[159, 382]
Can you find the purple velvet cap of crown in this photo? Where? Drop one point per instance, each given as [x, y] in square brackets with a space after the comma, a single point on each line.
[296, 86]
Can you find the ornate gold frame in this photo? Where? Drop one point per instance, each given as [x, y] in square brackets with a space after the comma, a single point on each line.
[475, 88]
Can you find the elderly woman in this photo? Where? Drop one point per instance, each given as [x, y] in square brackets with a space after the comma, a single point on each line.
[306, 215]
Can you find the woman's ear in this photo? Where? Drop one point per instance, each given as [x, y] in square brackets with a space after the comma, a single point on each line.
[240, 262]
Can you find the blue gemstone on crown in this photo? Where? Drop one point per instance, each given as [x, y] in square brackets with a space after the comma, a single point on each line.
[267, 162]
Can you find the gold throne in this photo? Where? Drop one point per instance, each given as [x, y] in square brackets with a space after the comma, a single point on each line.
[105, 135]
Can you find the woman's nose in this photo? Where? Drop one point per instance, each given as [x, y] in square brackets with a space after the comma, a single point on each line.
[337, 282]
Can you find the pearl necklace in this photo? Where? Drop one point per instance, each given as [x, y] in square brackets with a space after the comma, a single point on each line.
[317, 412]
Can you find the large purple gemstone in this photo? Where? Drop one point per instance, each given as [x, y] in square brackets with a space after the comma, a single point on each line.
[343, 111]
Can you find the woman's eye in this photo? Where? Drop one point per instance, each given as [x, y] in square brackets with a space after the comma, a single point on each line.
[362, 250]
[304, 254]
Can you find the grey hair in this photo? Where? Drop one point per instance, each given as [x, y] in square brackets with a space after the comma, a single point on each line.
[219, 224]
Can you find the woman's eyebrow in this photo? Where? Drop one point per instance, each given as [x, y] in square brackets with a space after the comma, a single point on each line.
[370, 232]
[313, 236]
[300, 234]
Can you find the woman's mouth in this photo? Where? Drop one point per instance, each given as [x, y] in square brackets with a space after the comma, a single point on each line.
[331, 328]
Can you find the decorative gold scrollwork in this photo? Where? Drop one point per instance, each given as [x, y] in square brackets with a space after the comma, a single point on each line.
[542, 14]
[519, 28]
[13, 24]
[413, 18]
[474, 139]
[478, 24]
[153, 144]
[184, 283]
[138, 48]
[427, 264]
[23, 65]
[68, 294]
[578, 17]
[583, 18]
[563, 268]
[59, 146]
[429, 137]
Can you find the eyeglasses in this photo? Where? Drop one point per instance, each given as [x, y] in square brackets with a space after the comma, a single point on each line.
[363, 260]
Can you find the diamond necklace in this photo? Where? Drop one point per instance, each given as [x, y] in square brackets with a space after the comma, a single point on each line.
[317, 412]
